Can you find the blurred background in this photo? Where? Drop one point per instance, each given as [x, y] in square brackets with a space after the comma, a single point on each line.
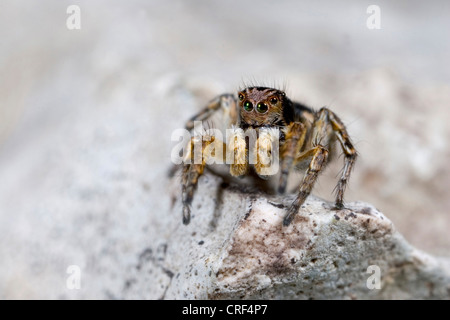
[86, 117]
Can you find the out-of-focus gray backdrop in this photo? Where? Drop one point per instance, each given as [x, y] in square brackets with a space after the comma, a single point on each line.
[86, 116]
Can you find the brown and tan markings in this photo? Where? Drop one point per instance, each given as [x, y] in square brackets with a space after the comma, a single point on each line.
[306, 142]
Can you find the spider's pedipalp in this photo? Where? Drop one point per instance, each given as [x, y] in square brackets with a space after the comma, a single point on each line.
[267, 152]
[237, 152]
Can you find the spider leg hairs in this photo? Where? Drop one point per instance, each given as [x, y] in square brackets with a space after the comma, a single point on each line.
[267, 134]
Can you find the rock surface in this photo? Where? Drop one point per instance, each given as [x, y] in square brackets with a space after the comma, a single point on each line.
[86, 118]
[236, 248]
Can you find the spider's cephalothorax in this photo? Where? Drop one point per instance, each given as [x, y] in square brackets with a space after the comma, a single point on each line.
[305, 141]
[261, 106]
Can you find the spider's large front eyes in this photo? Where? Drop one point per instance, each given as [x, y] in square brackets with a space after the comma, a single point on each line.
[262, 107]
[248, 106]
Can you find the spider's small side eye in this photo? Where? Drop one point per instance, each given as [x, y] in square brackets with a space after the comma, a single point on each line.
[273, 100]
[262, 107]
[248, 106]
[241, 96]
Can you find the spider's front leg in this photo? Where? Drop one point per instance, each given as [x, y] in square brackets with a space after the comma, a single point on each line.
[226, 103]
[194, 166]
[319, 158]
[324, 119]
[295, 137]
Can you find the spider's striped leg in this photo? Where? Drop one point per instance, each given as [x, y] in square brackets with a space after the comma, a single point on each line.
[295, 137]
[350, 154]
[319, 158]
[227, 102]
[194, 166]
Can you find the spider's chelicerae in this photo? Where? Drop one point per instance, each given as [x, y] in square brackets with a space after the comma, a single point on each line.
[305, 141]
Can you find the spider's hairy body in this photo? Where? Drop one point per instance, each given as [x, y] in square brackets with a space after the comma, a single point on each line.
[306, 139]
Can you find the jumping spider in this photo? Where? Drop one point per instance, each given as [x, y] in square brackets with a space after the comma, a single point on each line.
[306, 141]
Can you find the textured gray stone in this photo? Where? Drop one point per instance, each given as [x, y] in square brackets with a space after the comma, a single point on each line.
[86, 118]
[236, 248]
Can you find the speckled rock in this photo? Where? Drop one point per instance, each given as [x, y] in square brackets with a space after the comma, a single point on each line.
[86, 118]
[236, 248]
